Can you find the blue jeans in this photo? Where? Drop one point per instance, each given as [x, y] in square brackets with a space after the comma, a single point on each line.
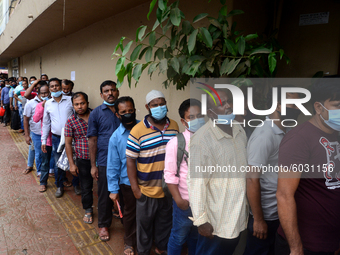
[257, 246]
[37, 147]
[217, 245]
[31, 154]
[59, 173]
[182, 231]
[45, 165]
[21, 113]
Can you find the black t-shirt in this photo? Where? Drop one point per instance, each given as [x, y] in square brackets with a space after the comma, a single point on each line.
[318, 194]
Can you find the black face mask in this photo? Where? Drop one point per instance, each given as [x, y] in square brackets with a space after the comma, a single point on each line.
[127, 118]
[291, 113]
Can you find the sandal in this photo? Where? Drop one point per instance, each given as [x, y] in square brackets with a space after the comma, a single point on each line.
[27, 170]
[158, 252]
[67, 184]
[115, 214]
[104, 234]
[42, 188]
[88, 217]
[128, 250]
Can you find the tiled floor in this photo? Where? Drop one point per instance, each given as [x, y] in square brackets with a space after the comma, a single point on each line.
[38, 223]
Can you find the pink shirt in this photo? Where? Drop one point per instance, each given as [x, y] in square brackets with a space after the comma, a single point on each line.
[170, 166]
[38, 116]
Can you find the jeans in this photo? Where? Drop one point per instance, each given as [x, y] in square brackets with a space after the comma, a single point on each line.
[182, 231]
[105, 203]
[7, 116]
[86, 183]
[52, 164]
[45, 165]
[282, 248]
[37, 147]
[217, 245]
[31, 154]
[21, 113]
[59, 173]
[257, 246]
[128, 206]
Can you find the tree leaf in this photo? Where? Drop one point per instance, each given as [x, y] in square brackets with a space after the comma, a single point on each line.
[215, 22]
[216, 35]
[225, 30]
[141, 32]
[119, 64]
[241, 45]
[159, 15]
[152, 5]
[272, 61]
[231, 46]
[148, 54]
[163, 65]
[199, 17]
[192, 41]
[135, 53]
[142, 53]
[206, 37]
[234, 12]
[127, 48]
[233, 65]
[175, 17]
[152, 68]
[137, 72]
[183, 42]
[223, 1]
[119, 44]
[224, 66]
[155, 25]
[161, 5]
[193, 68]
[260, 50]
[121, 74]
[186, 27]
[152, 38]
[173, 42]
[281, 53]
[159, 54]
[223, 11]
[251, 36]
[175, 64]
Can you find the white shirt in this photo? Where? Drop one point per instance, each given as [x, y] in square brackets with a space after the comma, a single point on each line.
[29, 112]
[55, 116]
[218, 197]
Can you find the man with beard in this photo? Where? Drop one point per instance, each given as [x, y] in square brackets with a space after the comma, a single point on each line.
[102, 123]
[117, 177]
[76, 129]
[263, 151]
[146, 145]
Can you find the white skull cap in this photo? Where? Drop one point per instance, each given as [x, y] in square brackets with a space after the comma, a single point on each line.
[154, 94]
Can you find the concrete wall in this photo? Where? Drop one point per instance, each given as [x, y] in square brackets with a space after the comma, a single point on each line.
[88, 53]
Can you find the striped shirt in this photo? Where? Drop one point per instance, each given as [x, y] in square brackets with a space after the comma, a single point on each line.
[147, 144]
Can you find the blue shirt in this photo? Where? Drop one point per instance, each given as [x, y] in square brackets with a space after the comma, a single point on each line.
[102, 123]
[116, 160]
[5, 95]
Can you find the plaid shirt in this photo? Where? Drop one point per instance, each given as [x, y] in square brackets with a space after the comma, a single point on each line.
[77, 128]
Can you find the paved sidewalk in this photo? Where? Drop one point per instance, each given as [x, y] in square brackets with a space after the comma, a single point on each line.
[38, 223]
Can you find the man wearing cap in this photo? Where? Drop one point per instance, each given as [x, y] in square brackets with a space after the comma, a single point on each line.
[146, 145]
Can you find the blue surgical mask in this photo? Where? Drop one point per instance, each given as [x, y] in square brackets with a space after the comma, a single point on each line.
[56, 94]
[45, 98]
[224, 119]
[108, 103]
[195, 124]
[20, 82]
[8, 86]
[333, 118]
[66, 94]
[159, 112]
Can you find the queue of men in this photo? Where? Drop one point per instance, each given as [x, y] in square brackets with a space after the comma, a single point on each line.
[148, 170]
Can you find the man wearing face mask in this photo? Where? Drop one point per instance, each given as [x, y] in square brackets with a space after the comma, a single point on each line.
[102, 123]
[218, 198]
[56, 112]
[117, 177]
[263, 151]
[67, 87]
[308, 199]
[183, 229]
[5, 103]
[146, 147]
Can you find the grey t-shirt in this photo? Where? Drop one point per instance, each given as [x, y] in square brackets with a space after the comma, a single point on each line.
[29, 112]
[263, 151]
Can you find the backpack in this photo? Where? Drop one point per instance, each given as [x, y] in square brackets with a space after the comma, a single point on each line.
[181, 152]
